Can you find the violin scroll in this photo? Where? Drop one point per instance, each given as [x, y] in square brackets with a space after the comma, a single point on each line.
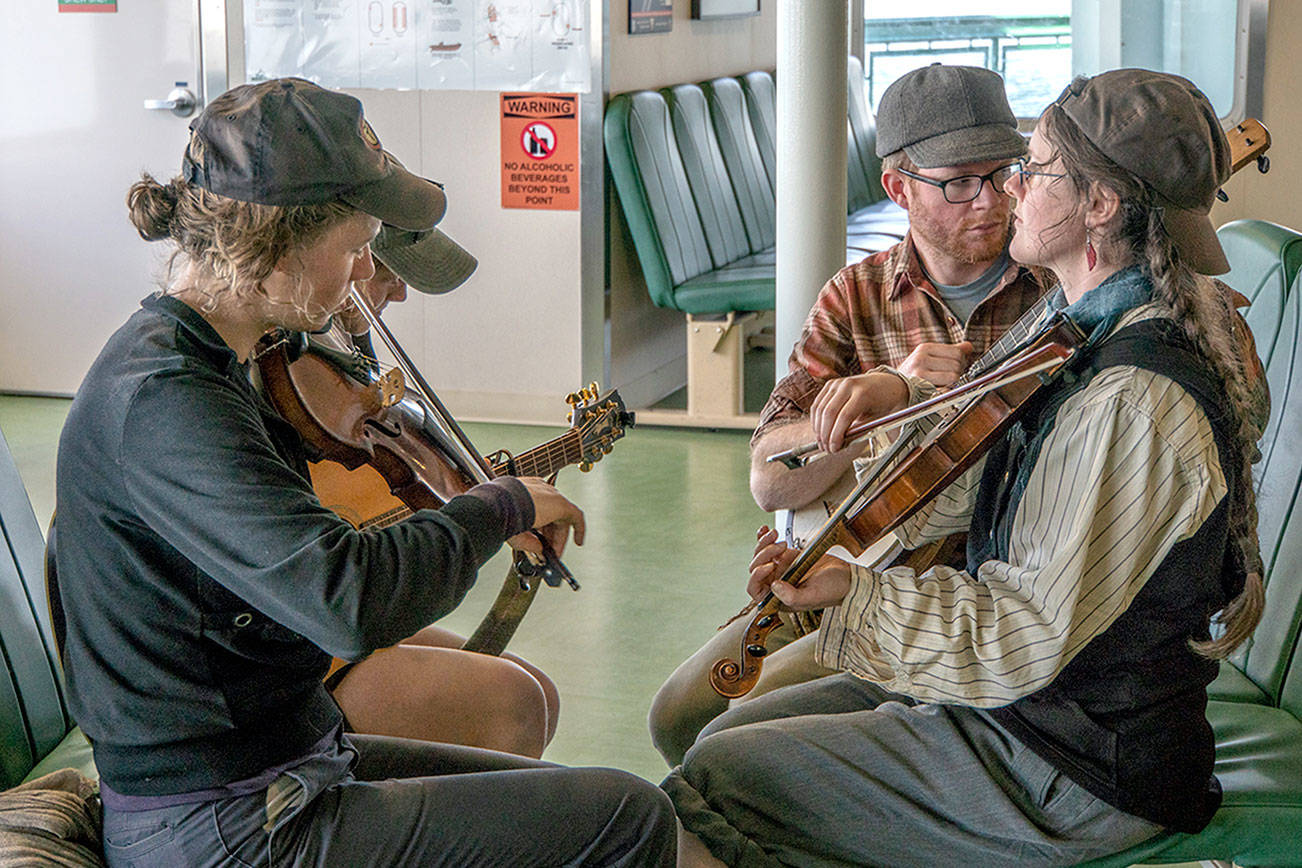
[733, 679]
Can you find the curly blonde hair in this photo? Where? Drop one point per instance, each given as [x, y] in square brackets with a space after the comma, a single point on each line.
[235, 245]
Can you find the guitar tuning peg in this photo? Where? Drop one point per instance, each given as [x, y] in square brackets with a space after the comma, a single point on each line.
[569, 417]
[585, 466]
[594, 388]
[605, 448]
[572, 398]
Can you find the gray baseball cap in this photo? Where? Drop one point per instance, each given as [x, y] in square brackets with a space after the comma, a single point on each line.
[947, 116]
[1161, 128]
[287, 141]
[427, 261]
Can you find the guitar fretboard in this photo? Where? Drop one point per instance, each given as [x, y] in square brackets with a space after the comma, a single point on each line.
[548, 458]
[542, 461]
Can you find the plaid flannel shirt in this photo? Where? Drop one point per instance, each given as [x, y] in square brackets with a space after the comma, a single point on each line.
[874, 313]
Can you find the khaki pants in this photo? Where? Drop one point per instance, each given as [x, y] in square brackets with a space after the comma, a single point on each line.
[686, 702]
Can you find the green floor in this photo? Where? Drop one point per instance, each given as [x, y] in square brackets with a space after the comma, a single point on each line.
[670, 524]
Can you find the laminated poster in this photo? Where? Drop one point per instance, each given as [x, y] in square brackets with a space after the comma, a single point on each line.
[529, 45]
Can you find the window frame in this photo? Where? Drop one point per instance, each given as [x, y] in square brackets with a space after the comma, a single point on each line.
[1249, 58]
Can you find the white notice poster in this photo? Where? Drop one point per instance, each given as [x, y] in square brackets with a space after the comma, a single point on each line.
[539, 45]
[445, 51]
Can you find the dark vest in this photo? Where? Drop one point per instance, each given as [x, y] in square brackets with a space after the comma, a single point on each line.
[1126, 718]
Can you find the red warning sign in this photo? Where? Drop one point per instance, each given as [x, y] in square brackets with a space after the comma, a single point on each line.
[540, 151]
[538, 140]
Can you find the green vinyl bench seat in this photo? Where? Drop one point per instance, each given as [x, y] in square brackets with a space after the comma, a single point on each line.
[743, 285]
[1264, 259]
[1233, 685]
[33, 717]
[1259, 823]
[694, 167]
[872, 214]
[680, 233]
[1256, 700]
[73, 752]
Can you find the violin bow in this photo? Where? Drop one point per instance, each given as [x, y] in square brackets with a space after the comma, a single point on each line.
[549, 567]
[1028, 364]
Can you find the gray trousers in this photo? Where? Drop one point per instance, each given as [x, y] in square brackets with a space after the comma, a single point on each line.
[686, 702]
[838, 772]
[412, 803]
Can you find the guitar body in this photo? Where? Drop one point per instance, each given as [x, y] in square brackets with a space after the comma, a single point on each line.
[359, 496]
[363, 497]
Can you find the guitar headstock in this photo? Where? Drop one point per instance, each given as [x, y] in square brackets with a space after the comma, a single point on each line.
[1249, 141]
[599, 419]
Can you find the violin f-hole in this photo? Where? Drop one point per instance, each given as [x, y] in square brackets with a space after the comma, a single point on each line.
[388, 430]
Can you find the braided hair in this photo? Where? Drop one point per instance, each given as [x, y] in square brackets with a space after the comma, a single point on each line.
[1218, 334]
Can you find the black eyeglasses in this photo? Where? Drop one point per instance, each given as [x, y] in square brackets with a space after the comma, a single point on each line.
[1024, 173]
[965, 188]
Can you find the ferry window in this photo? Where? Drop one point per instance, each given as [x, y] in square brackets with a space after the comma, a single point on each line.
[1039, 45]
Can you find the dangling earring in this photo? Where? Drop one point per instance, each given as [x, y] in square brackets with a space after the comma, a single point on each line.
[1091, 255]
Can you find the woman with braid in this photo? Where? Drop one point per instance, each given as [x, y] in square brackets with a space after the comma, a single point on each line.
[1047, 703]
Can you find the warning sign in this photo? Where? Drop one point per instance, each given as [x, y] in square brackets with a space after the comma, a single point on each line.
[540, 151]
[538, 140]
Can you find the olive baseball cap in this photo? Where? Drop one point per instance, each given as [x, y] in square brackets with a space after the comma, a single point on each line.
[947, 116]
[287, 141]
[428, 261]
[1162, 129]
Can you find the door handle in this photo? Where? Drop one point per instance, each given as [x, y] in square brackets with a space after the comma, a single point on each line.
[180, 102]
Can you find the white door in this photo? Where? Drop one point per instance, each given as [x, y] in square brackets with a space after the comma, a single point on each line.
[74, 135]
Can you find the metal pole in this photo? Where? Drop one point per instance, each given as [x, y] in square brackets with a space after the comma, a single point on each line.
[811, 154]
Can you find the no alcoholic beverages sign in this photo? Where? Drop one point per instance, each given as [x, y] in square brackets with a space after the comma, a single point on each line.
[540, 151]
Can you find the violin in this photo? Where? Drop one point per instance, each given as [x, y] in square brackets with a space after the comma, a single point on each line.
[352, 416]
[908, 481]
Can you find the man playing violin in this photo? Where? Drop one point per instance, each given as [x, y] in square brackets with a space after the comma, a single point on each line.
[425, 686]
[927, 306]
[1044, 704]
[204, 584]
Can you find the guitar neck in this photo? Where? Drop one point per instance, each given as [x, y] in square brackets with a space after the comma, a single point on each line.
[546, 459]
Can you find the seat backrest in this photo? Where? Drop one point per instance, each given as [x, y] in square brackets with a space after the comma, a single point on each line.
[863, 131]
[707, 176]
[858, 192]
[762, 106]
[33, 717]
[1266, 656]
[1264, 259]
[741, 157]
[654, 194]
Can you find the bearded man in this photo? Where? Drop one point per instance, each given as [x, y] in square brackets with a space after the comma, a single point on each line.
[927, 306]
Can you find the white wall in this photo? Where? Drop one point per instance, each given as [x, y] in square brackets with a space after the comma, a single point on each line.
[75, 136]
[525, 330]
[508, 344]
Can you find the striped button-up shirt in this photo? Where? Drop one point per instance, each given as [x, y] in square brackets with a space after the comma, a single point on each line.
[1129, 470]
[874, 313]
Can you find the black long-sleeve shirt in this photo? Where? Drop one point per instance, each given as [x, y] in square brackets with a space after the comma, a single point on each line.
[205, 586]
